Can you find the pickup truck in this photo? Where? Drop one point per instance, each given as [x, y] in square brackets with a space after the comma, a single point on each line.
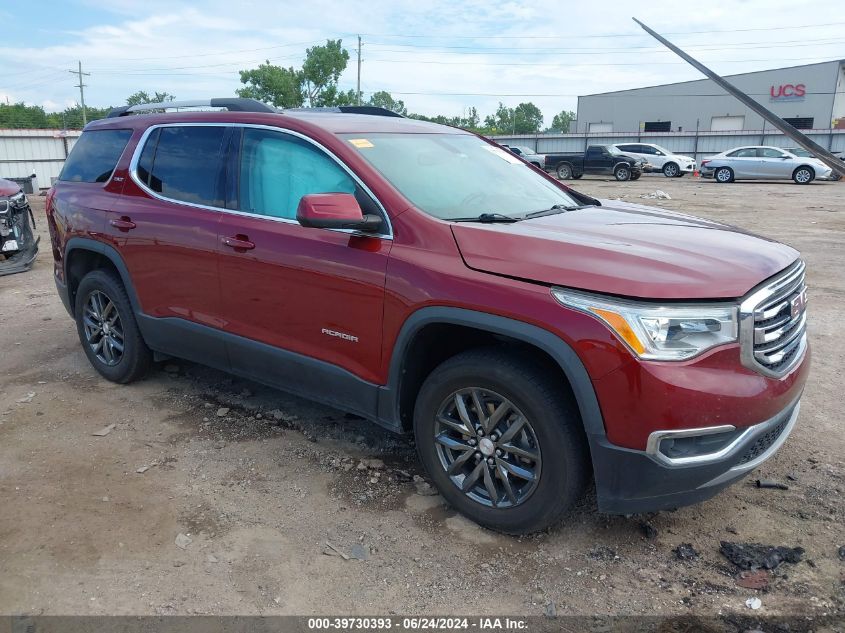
[598, 159]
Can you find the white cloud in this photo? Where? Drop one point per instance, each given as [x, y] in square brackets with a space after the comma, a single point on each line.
[179, 47]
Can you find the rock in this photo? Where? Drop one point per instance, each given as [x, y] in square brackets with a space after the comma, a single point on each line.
[104, 431]
[842, 553]
[220, 445]
[105, 499]
[550, 611]
[656, 195]
[183, 540]
[755, 556]
[178, 563]
[648, 530]
[374, 464]
[142, 470]
[425, 489]
[27, 398]
[685, 551]
[754, 603]
[222, 412]
[211, 558]
[362, 465]
[359, 552]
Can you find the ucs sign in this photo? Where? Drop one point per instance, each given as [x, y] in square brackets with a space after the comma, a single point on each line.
[787, 92]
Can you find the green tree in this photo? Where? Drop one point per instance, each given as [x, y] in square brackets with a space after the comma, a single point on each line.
[280, 87]
[320, 72]
[143, 96]
[383, 99]
[525, 118]
[562, 121]
[20, 115]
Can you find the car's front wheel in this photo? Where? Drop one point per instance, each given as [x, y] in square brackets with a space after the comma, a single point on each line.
[107, 328]
[803, 175]
[622, 173]
[501, 441]
[671, 170]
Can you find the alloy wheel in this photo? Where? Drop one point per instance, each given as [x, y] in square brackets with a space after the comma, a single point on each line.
[103, 328]
[670, 170]
[623, 174]
[723, 175]
[487, 447]
[803, 176]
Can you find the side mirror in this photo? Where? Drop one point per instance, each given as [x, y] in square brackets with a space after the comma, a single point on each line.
[335, 211]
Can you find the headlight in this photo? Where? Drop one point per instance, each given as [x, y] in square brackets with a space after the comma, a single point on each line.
[659, 332]
[19, 199]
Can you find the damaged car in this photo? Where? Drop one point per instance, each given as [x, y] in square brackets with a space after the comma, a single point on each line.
[18, 243]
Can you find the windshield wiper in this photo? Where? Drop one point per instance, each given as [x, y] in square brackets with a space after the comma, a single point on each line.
[555, 208]
[488, 218]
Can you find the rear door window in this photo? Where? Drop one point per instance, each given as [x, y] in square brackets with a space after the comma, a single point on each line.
[95, 155]
[184, 163]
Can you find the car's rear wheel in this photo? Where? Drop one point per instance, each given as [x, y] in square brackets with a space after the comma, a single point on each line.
[107, 328]
[724, 175]
[564, 171]
[622, 173]
[501, 441]
[803, 175]
[671, 170]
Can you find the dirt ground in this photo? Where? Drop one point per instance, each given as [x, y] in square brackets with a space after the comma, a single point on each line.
[88, 524]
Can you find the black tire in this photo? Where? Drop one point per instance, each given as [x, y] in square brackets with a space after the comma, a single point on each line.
[622, 173]
[133, 362]
[552, 420]
[804, 175]
[564, 171]
[723, 175]
[671, 170]
[635, 176]
[680, 174]
[577, 176]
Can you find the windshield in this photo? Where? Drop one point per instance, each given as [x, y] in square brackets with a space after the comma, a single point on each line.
[523, 149]
[453, 176]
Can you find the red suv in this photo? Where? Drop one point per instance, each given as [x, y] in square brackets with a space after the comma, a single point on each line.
[423, 277]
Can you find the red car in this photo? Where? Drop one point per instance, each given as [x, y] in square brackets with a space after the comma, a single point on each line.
[531, 337]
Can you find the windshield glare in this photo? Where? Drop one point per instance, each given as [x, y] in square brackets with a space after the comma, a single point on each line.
[452, 176]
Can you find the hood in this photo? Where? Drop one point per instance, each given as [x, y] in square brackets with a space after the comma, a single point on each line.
[8, 188]
[627, 250]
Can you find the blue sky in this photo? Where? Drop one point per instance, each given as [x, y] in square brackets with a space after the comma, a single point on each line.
[440, 57]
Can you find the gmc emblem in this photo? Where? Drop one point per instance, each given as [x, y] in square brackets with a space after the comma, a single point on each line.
[798, 304]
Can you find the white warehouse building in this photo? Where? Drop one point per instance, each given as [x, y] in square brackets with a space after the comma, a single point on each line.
[808, 97]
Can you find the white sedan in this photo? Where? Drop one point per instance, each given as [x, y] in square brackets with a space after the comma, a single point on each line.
[661, 159]
[761, 162]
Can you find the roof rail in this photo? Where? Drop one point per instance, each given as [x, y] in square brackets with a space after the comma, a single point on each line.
[362, 109]
[233, 104]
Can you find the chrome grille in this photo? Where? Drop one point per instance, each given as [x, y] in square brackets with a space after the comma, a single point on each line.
[773, 323]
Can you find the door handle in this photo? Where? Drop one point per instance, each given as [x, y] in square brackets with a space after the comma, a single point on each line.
[240, 243]
[123, 224]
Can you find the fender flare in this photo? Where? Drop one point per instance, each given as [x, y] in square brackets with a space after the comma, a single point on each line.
[559, 350]
[109, 252]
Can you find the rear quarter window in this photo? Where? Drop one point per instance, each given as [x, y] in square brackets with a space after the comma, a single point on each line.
[95, 155]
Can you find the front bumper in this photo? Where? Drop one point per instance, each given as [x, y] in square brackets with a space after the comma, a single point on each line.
[630, 481]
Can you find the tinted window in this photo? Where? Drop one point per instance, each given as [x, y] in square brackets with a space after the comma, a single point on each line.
[635, 149]
[184, 163]
[95, 155]
[278, 169]
[746, 152]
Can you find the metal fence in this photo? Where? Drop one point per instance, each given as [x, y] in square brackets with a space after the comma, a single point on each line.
[39, 152]
[696, 144]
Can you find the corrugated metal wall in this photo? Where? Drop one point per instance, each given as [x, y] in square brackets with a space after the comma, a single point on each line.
[39, 152]
[701, 145]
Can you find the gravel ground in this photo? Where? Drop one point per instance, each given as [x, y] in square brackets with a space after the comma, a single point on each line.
[286, 507]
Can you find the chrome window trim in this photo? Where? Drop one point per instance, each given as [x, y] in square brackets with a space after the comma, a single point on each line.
[139, 148]
[748, 309]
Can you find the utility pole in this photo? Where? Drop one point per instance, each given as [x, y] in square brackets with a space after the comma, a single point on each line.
[359, 70]
[81, 87]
